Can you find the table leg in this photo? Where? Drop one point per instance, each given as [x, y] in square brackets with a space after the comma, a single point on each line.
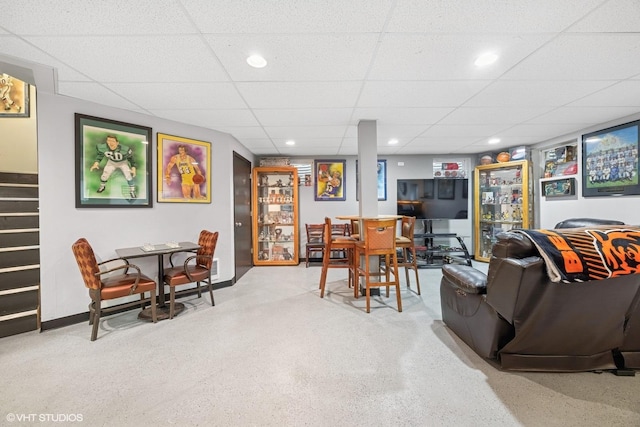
[162, 311]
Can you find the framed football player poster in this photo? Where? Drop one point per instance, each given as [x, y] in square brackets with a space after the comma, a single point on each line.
[184, 170]
[113, 164]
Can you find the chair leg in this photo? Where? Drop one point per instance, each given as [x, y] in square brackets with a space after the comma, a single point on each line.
[405, 261]
[397, 283]
[143, 301]
[414, 262]
[211, 292]
[323, 275]
[96, 321]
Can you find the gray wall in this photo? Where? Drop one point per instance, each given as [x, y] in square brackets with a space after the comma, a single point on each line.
[551, 211]
[62, 290]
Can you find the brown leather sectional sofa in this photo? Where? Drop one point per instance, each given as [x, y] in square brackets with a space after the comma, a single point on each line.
[515, 316]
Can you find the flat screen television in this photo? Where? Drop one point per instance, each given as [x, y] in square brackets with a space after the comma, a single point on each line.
[440, 198]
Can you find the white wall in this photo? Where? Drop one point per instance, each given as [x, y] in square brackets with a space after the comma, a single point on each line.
[62, 290]
[551, 211]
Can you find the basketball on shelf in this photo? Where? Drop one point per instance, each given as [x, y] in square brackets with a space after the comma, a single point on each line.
[198, 179]
[503, 157]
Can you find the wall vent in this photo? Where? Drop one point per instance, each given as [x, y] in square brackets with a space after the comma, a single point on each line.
[215, 269]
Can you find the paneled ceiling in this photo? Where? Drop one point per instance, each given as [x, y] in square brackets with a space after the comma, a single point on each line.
[563, 65]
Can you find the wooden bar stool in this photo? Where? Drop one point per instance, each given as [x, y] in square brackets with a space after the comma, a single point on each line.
[336, 243]
[407, 245]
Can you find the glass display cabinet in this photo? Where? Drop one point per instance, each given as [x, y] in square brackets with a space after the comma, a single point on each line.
[502, 195]
[275, 216]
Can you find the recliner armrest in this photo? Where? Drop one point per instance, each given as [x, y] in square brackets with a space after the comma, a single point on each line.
[465, 278]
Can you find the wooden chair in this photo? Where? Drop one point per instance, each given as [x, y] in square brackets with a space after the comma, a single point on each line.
[195, 269]
[315, 241]
[337, 231]
[355, 229]
[111, 287]
[337, 243]
[379, 241]
[407, 245]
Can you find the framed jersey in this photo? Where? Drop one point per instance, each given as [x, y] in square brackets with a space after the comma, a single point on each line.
[113, 164]
[184, 171]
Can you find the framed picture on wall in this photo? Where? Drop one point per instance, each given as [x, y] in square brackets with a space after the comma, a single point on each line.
[446, 188]
[381, 179]
[610, 161]
[15, 96]
[330, 183]
[113, 164]
[184, 171]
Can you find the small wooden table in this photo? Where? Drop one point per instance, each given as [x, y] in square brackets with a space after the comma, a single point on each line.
[159, 250]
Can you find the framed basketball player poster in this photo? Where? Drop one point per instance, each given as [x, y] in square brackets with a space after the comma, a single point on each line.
[330, 180]
[113, 164]
[184, 170]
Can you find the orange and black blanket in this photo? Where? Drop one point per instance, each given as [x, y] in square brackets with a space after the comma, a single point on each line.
[590, 253]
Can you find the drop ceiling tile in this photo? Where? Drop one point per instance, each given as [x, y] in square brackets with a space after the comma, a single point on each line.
[477, 16]
[536, 133]
[95, 92]
[583, 115]
[181, 95]
[290, 132]
[241, 132]
[82, 17]
[14, 46]
[424, 94]
[492, 115]
[299, 95]
[299, 57]
[401, 116]
[449, 56]
[304, 116]
[464, 130]
[535, 93]
[257, 142]
[623, 94]
[582, 57]
[209, 118]
[288, 16]
[136, 59]
[621, 15]
[401, 132]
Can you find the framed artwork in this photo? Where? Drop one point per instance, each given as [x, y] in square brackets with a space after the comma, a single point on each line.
[559, 187]
[610, 161]
[428, 189]
[381, 177]
[14, 94]
[446, 189]
[184, 170]
[330, 183]
[113, 164]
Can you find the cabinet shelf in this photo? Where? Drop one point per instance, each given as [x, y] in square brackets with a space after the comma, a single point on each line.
[502, 193]
[275, 216]
[434, 256]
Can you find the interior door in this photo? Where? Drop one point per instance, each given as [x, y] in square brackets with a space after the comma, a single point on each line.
[242, 214]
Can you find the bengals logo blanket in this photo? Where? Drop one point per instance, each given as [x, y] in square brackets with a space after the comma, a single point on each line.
[590, 253]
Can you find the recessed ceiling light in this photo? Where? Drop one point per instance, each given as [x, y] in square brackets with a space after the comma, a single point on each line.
[393, 142]
[486, 59]
[494, 140]
[290, 142]
[256, 61]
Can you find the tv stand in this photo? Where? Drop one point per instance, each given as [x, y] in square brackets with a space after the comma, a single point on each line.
[434, 254]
